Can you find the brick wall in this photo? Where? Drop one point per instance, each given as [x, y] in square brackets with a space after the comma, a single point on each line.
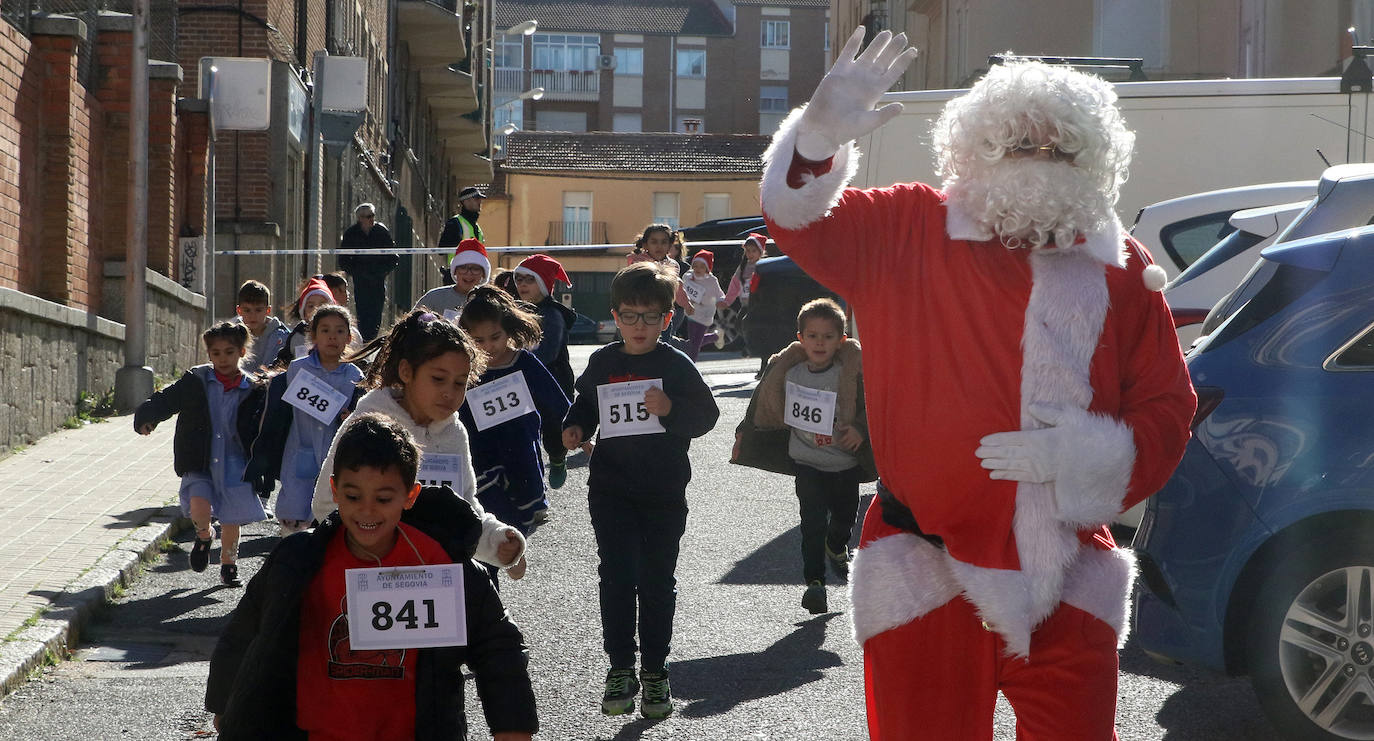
[20, 123]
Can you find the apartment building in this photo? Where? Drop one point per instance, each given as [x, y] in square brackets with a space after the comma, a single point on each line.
[1177, 39]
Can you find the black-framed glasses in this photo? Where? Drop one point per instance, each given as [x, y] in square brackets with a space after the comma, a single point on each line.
[631, 318]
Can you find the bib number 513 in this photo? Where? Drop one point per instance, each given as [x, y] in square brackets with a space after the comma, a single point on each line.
[494, 406]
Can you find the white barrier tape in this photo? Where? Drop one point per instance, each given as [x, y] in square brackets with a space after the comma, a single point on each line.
[449, 250]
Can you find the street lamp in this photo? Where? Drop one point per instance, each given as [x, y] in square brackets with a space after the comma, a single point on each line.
[534, 93]
[510, 127]
[523, 29]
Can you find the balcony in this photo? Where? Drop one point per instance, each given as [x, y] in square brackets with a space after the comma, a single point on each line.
[508, 81]
[433, 31]
[567, 84]
[577, 232]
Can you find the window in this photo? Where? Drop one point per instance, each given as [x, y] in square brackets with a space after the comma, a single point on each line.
[629, 61]
[631, 122]
[827, 35]
[773, 99]
[715, 206]
[1187, 240]
[665, 209]
[562, 52]
[776, 35]
[577, 217]
[691, 62]
[1132, 28]
[575, 121]
[509, 53]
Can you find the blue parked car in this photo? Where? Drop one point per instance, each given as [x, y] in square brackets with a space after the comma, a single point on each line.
[1258, 556]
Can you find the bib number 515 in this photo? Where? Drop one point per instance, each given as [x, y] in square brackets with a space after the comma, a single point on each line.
[625, 412]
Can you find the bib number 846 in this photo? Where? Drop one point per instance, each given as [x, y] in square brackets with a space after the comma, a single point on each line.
[806, 413]
[382, 619]
[628, 413]
[312, 399]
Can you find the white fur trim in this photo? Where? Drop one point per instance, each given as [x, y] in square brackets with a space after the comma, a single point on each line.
[1094, 471]
[1099, 583]
[794, 208]
[1154, 278]
[471, 257]
[328, 297]
[895, 580]
[1107, 247]
[1003, 600]
[538, 279]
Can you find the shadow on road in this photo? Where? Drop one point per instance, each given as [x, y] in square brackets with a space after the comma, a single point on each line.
[718, 684]
[779, 560]
[1208, 706]
[133, 518]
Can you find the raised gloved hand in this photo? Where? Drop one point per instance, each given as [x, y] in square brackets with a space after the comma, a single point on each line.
[1028, 455]
[842, 108]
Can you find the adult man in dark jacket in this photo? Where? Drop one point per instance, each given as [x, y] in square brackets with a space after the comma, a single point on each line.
[462, 225]
[368, 271]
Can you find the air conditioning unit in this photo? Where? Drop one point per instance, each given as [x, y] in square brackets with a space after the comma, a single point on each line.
[605, 61]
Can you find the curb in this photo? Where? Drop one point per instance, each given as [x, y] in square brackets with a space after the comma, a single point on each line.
[58, 629]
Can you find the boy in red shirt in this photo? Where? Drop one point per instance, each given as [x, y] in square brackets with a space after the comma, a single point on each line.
[285, 667]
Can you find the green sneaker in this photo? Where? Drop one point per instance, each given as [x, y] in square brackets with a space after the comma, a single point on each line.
[658, 697]
[621, 688]
[839, 562]
[813, 599]
[558, 474]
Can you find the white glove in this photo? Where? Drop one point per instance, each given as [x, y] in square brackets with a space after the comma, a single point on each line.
[841, 109]
[1027, 455]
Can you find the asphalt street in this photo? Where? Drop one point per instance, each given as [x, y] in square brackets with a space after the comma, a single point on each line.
[748, 661]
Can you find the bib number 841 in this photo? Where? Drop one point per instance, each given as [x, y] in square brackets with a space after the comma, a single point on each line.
[382, 619]
[806, 413]
[628, 413]
[312, 399]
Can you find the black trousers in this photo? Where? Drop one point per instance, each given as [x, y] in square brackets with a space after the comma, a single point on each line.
[369, 297]
[637, 543]
[829, 503]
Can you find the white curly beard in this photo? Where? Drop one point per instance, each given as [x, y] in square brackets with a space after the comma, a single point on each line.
[1032, 202]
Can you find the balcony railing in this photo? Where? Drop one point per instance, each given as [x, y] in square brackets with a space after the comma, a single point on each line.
[567, 84]
[577, 232]
[508, 80]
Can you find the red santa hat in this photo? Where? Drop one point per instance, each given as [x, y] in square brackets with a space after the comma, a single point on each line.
[707, 257]
[545, 270]
[471, 252]
[313, 287]
[757, 239]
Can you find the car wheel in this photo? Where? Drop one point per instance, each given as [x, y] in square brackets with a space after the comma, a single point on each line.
[1311, 642]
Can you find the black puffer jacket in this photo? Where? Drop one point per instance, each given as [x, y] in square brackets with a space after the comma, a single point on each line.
[556, 321]
[186, 398]
[252, 683]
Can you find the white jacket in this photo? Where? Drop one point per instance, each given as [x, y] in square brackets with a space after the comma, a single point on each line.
[444, 436]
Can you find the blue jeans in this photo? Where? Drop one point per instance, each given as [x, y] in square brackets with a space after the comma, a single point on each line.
[637, 544]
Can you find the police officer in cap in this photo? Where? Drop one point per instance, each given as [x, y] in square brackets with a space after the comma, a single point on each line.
[462, 225]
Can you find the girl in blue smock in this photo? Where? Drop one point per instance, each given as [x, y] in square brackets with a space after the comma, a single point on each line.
[218, 408]
[505, 446]
[300, 423]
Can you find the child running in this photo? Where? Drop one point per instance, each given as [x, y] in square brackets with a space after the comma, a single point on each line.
[504, 419]
[305, 406]
[419, 378]
[806, 418]
[286, 666]
[649, 401]
[535, 279]
[338, 288]
[219, 410]
[266, 333]
[703, 296]
[314, 293]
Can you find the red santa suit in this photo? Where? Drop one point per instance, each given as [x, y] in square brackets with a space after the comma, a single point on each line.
[963, 337]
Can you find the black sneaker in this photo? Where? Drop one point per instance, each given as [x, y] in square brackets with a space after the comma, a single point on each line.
[621, 688]
[229, 575]
[200, 554]
[839, 562]
[813, 599]
[658, 697]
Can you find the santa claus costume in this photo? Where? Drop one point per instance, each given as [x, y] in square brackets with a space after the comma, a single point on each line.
[1037, 392]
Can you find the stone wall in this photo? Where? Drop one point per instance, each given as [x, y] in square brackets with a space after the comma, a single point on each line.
[48, 354]
[176, 317]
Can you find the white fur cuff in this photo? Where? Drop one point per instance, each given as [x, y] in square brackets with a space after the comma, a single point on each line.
[794, 208]
[895, 580]
[1094, 470]
[1099, 583]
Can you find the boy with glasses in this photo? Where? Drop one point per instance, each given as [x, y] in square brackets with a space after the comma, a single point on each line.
[649, 401]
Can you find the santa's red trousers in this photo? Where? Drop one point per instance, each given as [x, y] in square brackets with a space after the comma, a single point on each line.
[937, 678]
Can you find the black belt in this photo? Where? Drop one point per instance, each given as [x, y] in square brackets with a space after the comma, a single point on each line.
[898, 515]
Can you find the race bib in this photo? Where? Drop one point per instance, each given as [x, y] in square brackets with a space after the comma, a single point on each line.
[499, 401]
[406, 607]
[438, 469]
[622, 409]
[693, 291]
[812, 410]
[313, 396]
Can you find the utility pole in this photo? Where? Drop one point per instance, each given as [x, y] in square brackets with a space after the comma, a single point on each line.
[134, 382]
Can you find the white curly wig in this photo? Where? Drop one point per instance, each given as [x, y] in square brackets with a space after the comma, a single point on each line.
[1032, 201]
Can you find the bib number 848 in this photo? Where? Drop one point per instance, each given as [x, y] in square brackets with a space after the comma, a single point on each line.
[312, 399]
[382, 619]
[628, 413]
[806, 413]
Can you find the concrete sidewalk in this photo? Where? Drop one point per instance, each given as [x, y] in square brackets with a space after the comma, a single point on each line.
[79, 510]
